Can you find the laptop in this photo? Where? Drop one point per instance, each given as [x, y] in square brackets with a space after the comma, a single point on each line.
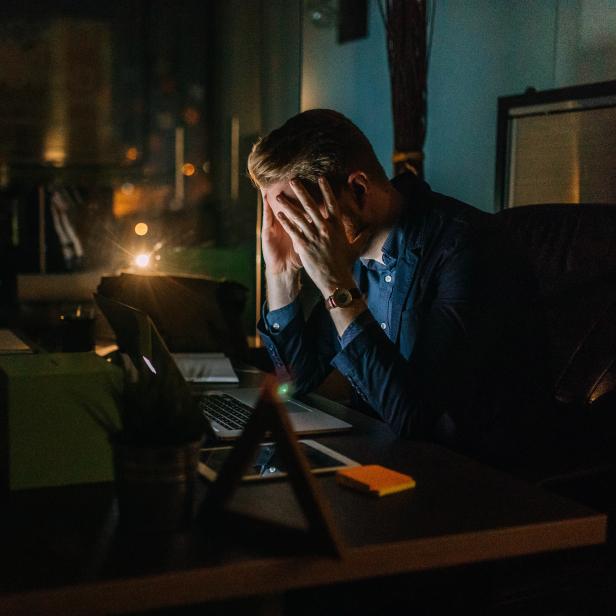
[226, 411]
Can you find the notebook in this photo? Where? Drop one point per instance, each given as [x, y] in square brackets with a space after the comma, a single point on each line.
[206, 367]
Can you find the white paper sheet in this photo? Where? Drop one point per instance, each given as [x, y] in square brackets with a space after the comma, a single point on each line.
[206, 367]
[10, 343]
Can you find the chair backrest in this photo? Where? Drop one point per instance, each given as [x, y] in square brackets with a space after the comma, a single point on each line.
[571, 250]
[191, 313]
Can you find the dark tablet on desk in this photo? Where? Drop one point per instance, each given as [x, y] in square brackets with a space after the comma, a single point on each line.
[268, 464]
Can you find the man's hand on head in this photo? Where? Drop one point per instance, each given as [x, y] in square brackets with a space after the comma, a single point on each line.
[319, 237]
[277, 246]
[282, 263]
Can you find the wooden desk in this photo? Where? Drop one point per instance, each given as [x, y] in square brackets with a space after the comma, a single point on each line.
[62, 552]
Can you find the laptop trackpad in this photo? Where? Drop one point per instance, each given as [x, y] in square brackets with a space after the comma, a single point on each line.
[305, 419]
[293, 406]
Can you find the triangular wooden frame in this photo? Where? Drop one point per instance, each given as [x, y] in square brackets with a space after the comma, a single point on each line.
[270, 418]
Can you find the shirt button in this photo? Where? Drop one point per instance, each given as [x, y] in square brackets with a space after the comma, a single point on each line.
[388, 278]
[383, 325]
[275, 326]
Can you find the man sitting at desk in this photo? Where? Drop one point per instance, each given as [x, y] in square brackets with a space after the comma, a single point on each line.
[412, 312]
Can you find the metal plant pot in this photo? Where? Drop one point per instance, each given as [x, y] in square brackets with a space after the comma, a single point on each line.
[155, 486]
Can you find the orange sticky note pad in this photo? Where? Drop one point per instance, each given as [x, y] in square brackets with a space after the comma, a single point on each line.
[374, 479]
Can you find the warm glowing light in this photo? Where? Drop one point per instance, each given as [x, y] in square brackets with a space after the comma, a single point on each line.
[142, 260]
[55, 148]
[188, 169]
[132, 153]
[141, 228]
[140, 199]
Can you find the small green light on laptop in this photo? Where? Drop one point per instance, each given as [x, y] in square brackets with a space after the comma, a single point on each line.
[285, 390]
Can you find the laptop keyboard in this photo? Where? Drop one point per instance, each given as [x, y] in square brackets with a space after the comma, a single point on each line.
[227, 411]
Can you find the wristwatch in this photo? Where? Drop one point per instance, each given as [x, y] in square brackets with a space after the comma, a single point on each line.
[341, 298]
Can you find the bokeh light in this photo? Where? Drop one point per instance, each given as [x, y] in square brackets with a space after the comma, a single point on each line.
[142, 260]
[141, 228]
[188, 169]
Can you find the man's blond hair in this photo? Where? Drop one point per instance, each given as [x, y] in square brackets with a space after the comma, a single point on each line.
[318, 142]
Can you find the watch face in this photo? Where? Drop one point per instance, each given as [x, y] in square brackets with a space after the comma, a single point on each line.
[342, 297]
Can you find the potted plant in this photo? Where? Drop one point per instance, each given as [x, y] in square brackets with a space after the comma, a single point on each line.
[155, 446]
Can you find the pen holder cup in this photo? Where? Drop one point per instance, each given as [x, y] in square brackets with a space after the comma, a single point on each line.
[77, 332]
[155, 486]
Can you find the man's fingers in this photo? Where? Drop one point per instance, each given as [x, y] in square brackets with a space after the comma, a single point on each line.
[270, 222]
[328, 195]
[268, 215]
[307, 202]
[295, 215]
[292, 231]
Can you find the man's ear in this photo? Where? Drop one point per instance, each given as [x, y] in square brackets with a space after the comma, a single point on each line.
[358, 185]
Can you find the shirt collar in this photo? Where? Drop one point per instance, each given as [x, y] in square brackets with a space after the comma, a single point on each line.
[390, 250]
[391, 246]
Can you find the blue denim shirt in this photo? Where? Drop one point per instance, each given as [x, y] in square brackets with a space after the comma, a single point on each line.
[430, 373]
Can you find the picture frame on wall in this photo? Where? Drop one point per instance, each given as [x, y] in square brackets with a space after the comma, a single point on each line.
[557, 146]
